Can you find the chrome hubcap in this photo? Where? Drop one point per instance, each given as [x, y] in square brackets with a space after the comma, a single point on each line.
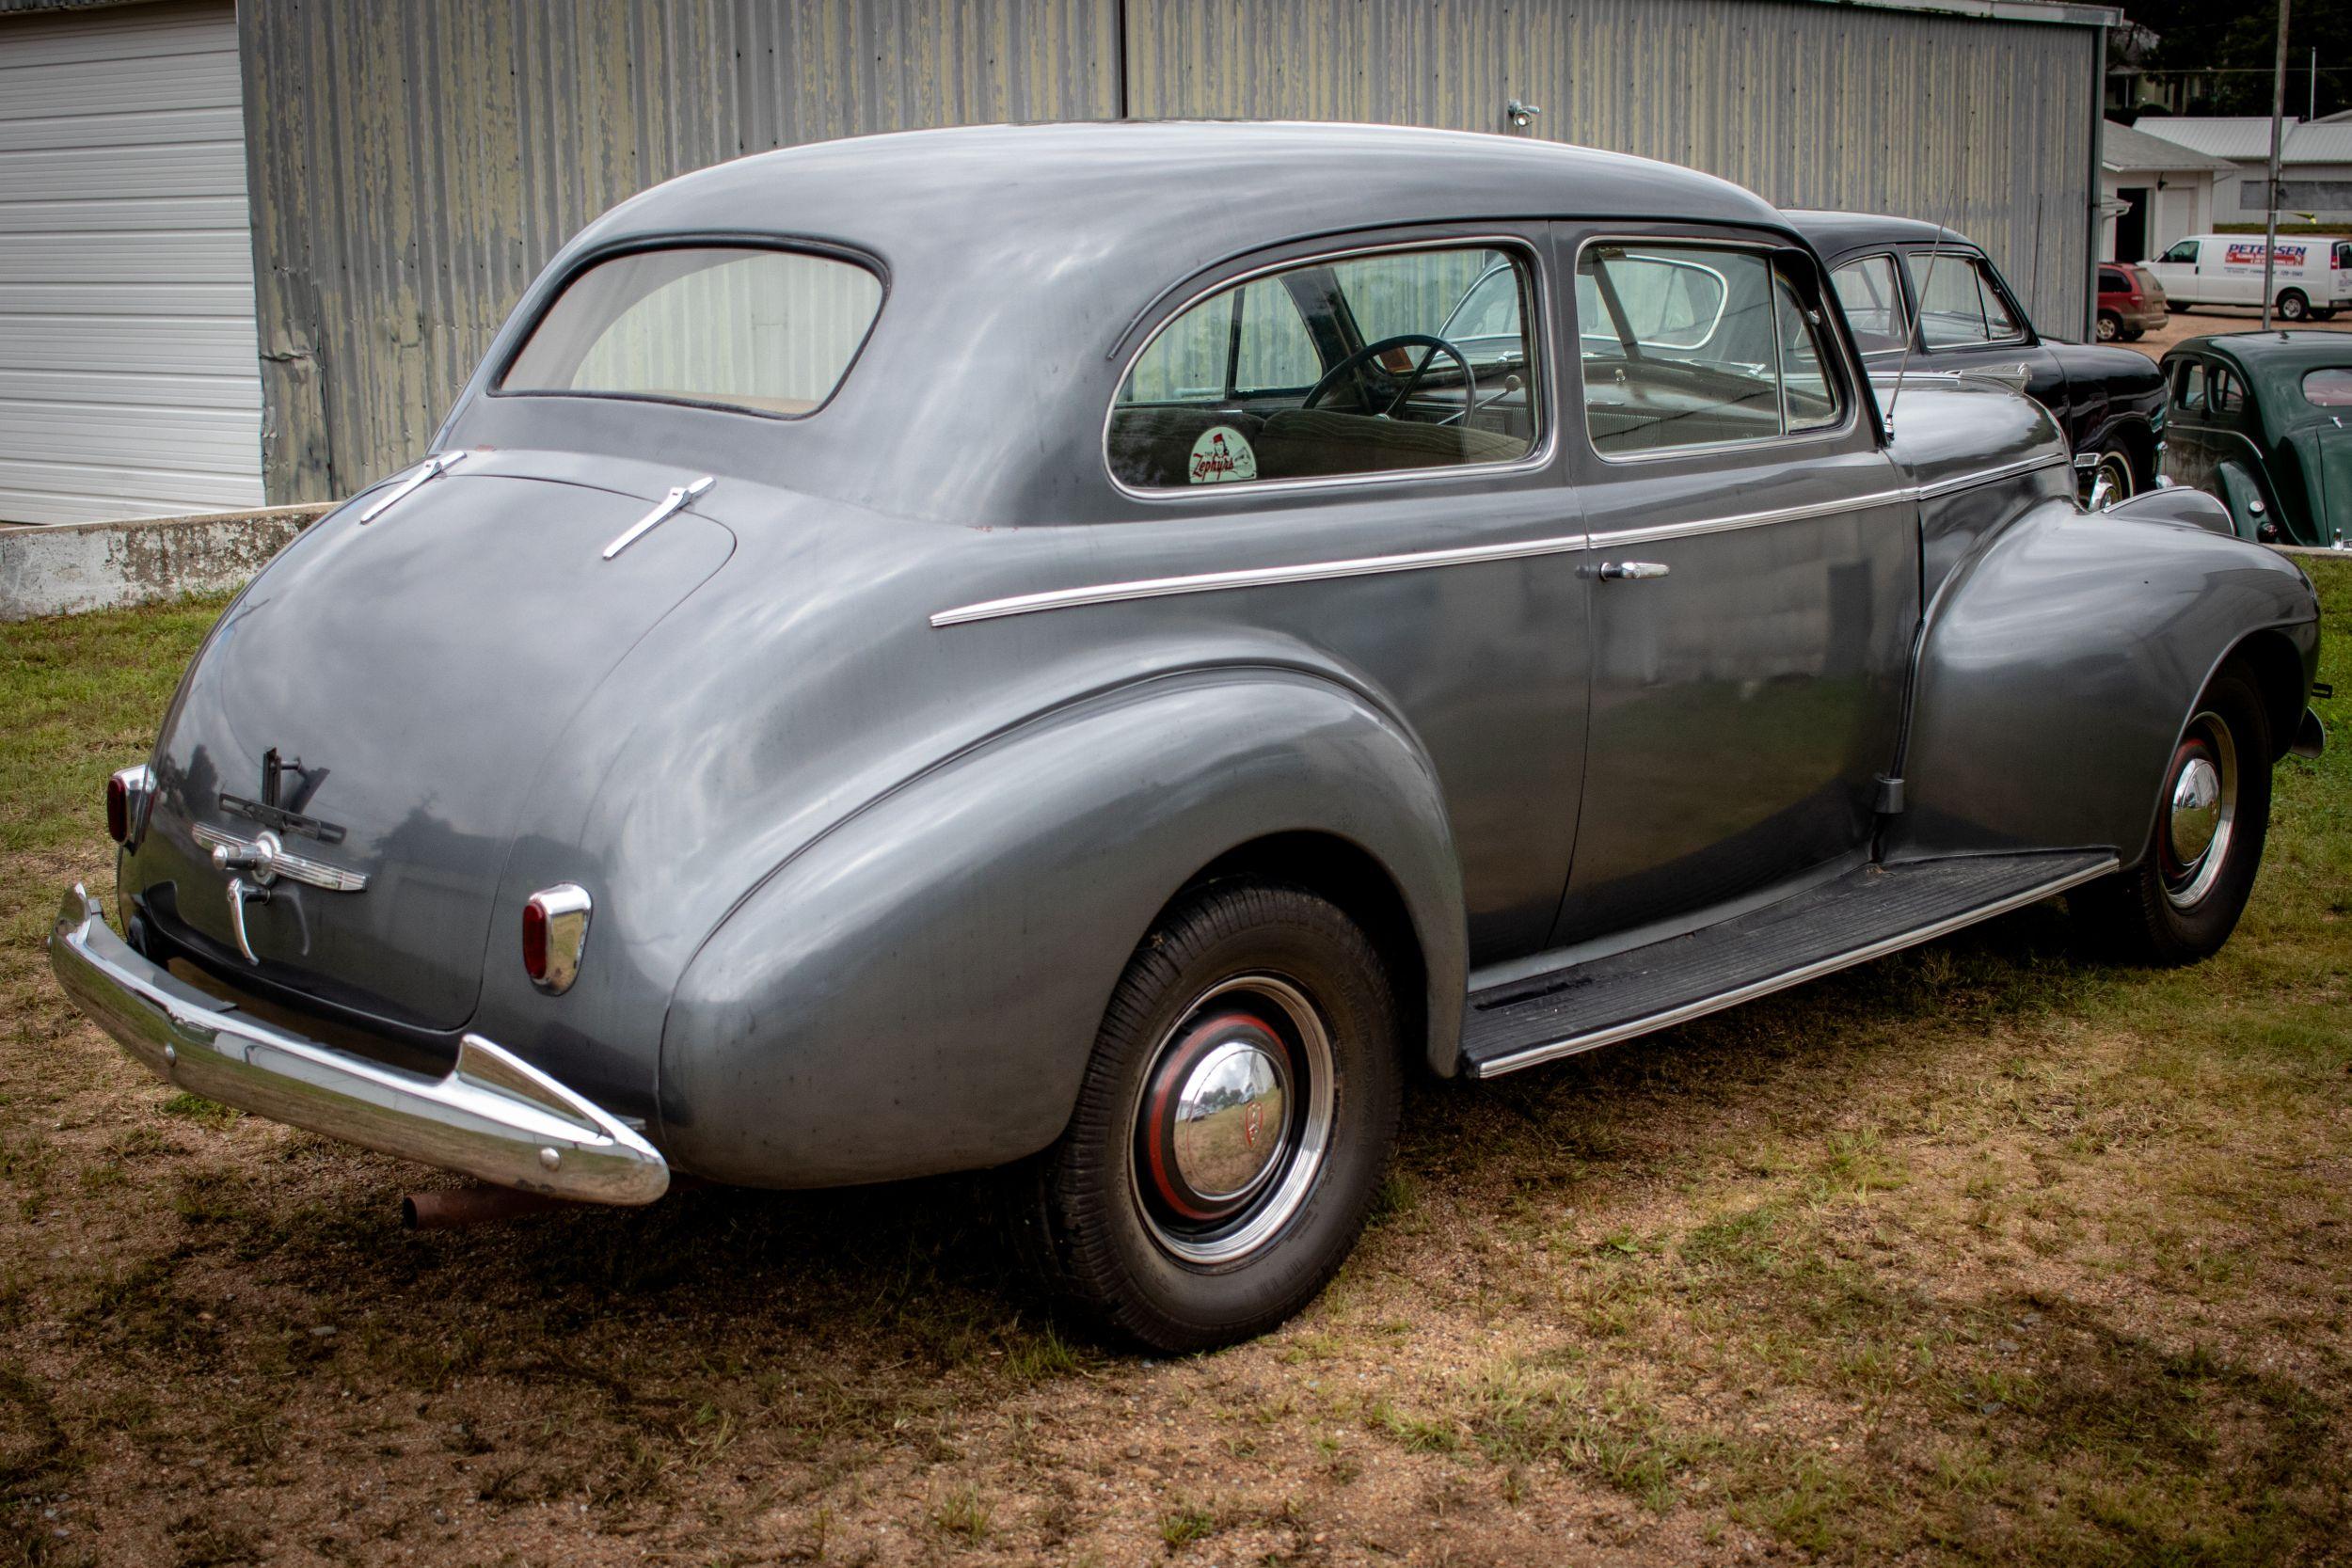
[2201, 808]
[2196, 809]
[1229, 1123]
[1233, 1121]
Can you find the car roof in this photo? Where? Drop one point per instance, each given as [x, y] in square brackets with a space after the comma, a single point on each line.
[2287, 350]
[1181, 191]
[1835, 234]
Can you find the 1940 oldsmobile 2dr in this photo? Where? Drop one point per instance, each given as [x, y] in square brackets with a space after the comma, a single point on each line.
[1111, 647]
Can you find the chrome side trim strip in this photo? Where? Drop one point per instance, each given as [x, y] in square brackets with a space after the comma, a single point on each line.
[1316, 571]
[1576, 1045]
[1614, 537]
[1986, 476]
[1255, 577]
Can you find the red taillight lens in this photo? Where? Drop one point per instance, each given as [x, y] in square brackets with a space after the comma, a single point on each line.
[555, 929]
[535, 942]
[118, 808]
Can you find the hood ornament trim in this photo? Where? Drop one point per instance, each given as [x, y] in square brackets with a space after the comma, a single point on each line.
[678, 499]
[440, 463]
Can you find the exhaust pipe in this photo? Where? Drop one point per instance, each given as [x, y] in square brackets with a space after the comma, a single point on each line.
[447, 1208]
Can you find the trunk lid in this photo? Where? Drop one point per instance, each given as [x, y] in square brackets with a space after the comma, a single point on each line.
[410, 675]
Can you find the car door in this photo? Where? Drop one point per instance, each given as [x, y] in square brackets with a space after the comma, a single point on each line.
[1753, 559]
[2189, 455]
[2176, 269]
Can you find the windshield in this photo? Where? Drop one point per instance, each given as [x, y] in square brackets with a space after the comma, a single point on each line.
[767, 331]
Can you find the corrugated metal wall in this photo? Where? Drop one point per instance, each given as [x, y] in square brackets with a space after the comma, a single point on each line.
[413, 166]
[1984, 125]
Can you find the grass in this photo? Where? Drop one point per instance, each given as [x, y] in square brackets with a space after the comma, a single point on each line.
[1983, 1253]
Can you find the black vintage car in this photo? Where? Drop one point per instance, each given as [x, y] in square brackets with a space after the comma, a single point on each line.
[1907, 284]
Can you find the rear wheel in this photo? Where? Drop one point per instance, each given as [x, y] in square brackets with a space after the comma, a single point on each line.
[2110, 326]
[1235, 1122]
[2134, 334]
[2183, 900]
[2293, 307]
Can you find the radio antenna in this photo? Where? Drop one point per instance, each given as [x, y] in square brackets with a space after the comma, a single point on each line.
[1919, 326]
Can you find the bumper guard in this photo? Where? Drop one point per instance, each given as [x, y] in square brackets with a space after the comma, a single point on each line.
[494, 1115]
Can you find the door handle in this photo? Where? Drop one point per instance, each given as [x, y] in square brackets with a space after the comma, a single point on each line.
[1630, 571]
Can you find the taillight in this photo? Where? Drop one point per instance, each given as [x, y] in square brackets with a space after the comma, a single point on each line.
[127, 795]
[555, 929]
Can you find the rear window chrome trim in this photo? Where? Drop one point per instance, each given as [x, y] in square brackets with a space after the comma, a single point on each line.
[1535, 332]
[1413, 560]
[493, 386]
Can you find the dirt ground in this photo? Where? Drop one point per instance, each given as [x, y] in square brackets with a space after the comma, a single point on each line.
[1986, 1254]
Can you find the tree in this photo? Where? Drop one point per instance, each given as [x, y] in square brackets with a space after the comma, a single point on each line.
[2194, 36]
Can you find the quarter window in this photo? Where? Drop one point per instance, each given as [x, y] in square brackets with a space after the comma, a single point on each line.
[1402, 359]
[2225, 394]
[1692, 347]
[1872, 298]
[767, 331]
[2189, 386]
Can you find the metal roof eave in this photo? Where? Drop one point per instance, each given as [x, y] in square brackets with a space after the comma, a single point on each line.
[2065, 12]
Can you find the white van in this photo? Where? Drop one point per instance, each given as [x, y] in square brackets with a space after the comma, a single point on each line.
[2312, 276]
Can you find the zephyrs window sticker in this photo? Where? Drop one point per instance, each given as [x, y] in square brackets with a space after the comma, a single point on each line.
[1221, 455]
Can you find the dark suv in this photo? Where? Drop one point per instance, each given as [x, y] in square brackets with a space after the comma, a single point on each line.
[1919, 296]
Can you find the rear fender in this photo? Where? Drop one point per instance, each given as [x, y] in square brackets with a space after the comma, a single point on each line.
[2059, 666]
[918, 991]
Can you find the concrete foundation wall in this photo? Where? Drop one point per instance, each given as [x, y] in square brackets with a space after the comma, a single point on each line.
[58, 571]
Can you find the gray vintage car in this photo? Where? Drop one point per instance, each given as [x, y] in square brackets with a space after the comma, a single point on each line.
[1112, 647]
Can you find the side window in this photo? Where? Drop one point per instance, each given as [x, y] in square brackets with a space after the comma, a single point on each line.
[2113, 282]
[1958, 302]
[2224, 392]
[1872, 298]
[1399, 359]
[1273, 351]
[1693, 346]
[2184, 253]
[2189, 386]
[2344, 255]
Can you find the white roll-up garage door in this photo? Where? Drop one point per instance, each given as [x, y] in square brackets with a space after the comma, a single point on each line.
[128, 380]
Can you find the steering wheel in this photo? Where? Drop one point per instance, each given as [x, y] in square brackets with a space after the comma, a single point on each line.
[1404, 340]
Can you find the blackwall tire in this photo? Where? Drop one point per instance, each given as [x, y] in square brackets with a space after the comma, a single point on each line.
[1184, 1231]
[2175, 908]
[2293, 307]
[1233, 969]
[2110, 326]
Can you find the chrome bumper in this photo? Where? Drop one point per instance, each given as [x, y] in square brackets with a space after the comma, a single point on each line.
[494, 1115]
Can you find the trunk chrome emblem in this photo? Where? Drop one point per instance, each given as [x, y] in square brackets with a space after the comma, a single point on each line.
[285, 816]
[268, 859]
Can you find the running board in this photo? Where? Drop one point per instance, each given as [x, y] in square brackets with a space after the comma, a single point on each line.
[1863, 915]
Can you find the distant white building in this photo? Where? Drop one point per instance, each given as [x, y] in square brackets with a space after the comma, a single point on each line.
[2314, 163]
[2154, 192]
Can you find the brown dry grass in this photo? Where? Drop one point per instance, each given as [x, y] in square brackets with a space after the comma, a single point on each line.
[1979, 1255]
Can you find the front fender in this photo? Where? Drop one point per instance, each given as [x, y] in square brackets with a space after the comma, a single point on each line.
[917, 991]
[2058, 669]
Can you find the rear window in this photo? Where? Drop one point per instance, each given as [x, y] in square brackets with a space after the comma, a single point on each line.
[766, 331]
[2328, 388]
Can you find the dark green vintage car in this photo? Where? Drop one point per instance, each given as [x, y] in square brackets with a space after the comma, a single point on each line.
[2260, 420]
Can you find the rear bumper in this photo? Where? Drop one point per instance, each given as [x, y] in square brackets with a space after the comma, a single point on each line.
[494, 1115]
